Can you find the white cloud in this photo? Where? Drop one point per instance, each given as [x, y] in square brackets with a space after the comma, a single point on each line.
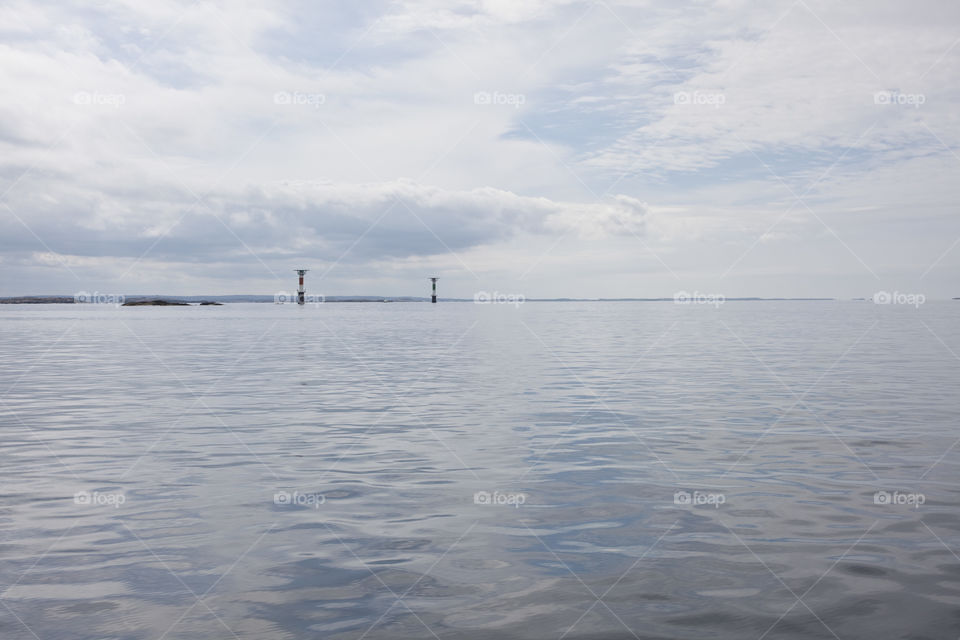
[775, 101]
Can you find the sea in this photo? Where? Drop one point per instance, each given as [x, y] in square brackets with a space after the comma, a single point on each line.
[518, 469]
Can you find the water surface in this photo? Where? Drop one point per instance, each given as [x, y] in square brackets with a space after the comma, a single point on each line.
[548, 470]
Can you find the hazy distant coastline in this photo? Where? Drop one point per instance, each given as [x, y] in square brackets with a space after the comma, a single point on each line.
[143, 300]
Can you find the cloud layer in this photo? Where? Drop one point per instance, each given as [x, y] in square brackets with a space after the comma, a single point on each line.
[788, 148]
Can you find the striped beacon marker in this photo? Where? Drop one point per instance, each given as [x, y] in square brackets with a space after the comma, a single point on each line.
[301, 294]
[433, 296]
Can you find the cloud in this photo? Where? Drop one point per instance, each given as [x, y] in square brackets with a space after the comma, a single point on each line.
[352, 222]
[652, 141]
[801, 78]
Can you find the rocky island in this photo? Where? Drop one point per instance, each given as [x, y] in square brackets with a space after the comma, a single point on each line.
[155, 303]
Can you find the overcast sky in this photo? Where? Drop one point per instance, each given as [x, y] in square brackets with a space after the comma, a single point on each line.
[542, 147]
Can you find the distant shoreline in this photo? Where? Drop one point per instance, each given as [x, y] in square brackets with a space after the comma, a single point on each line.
[141, 300]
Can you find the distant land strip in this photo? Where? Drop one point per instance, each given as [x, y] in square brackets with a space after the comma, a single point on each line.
[160, 300]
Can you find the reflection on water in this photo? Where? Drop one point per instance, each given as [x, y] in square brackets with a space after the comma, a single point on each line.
[547, 470]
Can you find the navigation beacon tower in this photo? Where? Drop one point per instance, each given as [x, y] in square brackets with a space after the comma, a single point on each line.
[301, 294]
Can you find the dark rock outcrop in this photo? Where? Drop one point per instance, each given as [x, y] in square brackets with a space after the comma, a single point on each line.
[156, 303]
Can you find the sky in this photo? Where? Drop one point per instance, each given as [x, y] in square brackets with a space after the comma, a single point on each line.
[546, 148]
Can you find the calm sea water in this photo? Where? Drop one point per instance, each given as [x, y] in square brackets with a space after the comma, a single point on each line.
[553, 470]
